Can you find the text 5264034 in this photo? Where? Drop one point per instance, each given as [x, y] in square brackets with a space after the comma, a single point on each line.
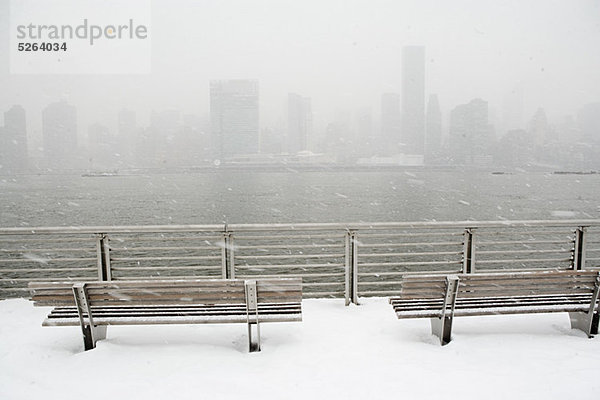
[44, 46]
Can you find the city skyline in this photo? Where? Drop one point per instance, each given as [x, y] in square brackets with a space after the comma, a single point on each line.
[503, 117]
[175, 139]
[469, 55]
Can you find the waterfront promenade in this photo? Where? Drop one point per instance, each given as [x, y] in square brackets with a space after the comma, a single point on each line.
[337, 352]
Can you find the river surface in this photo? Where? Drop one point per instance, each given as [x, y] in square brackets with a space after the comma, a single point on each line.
[281, 197]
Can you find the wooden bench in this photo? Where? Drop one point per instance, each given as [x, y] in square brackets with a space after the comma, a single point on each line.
[443, 297]
[95, 305]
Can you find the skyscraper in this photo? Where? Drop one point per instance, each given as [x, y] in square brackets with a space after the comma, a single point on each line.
[299, 122]
[59, 126]
[13, 140]
[413, 99]
[390, 123]
[234, 117]
[433, 133]
[470, 133]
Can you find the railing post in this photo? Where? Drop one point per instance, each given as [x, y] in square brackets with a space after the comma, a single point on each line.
[354, 240]
[103, 257]
[227, 264]
[351, 256]
[348, 259]
[579, 249]
[230, 257]
[224, 257]
[468, 252]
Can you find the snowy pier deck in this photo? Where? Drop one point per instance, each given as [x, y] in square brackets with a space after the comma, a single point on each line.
[357, 352]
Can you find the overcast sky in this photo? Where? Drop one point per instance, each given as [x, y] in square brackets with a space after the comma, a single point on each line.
[343, 54]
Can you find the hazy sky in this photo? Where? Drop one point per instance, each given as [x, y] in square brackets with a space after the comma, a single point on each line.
[343, 54]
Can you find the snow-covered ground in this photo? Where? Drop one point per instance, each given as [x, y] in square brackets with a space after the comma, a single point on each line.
[337, 352]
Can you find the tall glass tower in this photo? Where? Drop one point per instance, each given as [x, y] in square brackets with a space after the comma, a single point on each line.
[234, 117]
[413, 100]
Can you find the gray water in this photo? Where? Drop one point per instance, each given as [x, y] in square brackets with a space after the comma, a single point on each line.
[278, 197]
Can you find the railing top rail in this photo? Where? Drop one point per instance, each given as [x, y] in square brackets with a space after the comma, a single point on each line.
[413, 225]
[110, 229]
[296, 227]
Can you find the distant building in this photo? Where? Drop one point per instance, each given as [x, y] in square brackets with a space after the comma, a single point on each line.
[59, 128]
[299, 124]
[433, 132]
[391, 123]
[588, 120]
[162, 138]
[272, 140]
[413, 99]
[470, 134]
[514, 149]
[194, 139]
[13, 140]
[3, 152]
[234, 117]
[126, 123]
[101, 147]
[539, 128]
[363, 141]
[126, 135]
[512, 113]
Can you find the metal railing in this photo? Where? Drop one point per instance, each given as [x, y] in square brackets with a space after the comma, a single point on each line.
[334, 260]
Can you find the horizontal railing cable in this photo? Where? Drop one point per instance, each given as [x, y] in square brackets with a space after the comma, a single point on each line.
[334, 259]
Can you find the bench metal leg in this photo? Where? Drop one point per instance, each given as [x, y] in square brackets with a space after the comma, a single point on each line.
[587, 322]
[253, 345]
[252, 315]
[92, 334]
[442, 328]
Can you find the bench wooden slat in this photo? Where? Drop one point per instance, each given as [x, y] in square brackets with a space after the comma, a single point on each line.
[204, 291]
[466, 281]
[176, 309]
[574, 297]
[147, 283]
[542, 274]
[507, 292]
[496, 300]
[165, 302]
[489, 304]
[493, 311]
[217, 319]
[265, 314]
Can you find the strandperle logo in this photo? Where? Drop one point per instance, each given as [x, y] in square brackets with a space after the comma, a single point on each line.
[80, 36]
[85, 31]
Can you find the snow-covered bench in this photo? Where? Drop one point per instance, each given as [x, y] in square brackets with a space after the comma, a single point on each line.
[443, 297]
[95, 305]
